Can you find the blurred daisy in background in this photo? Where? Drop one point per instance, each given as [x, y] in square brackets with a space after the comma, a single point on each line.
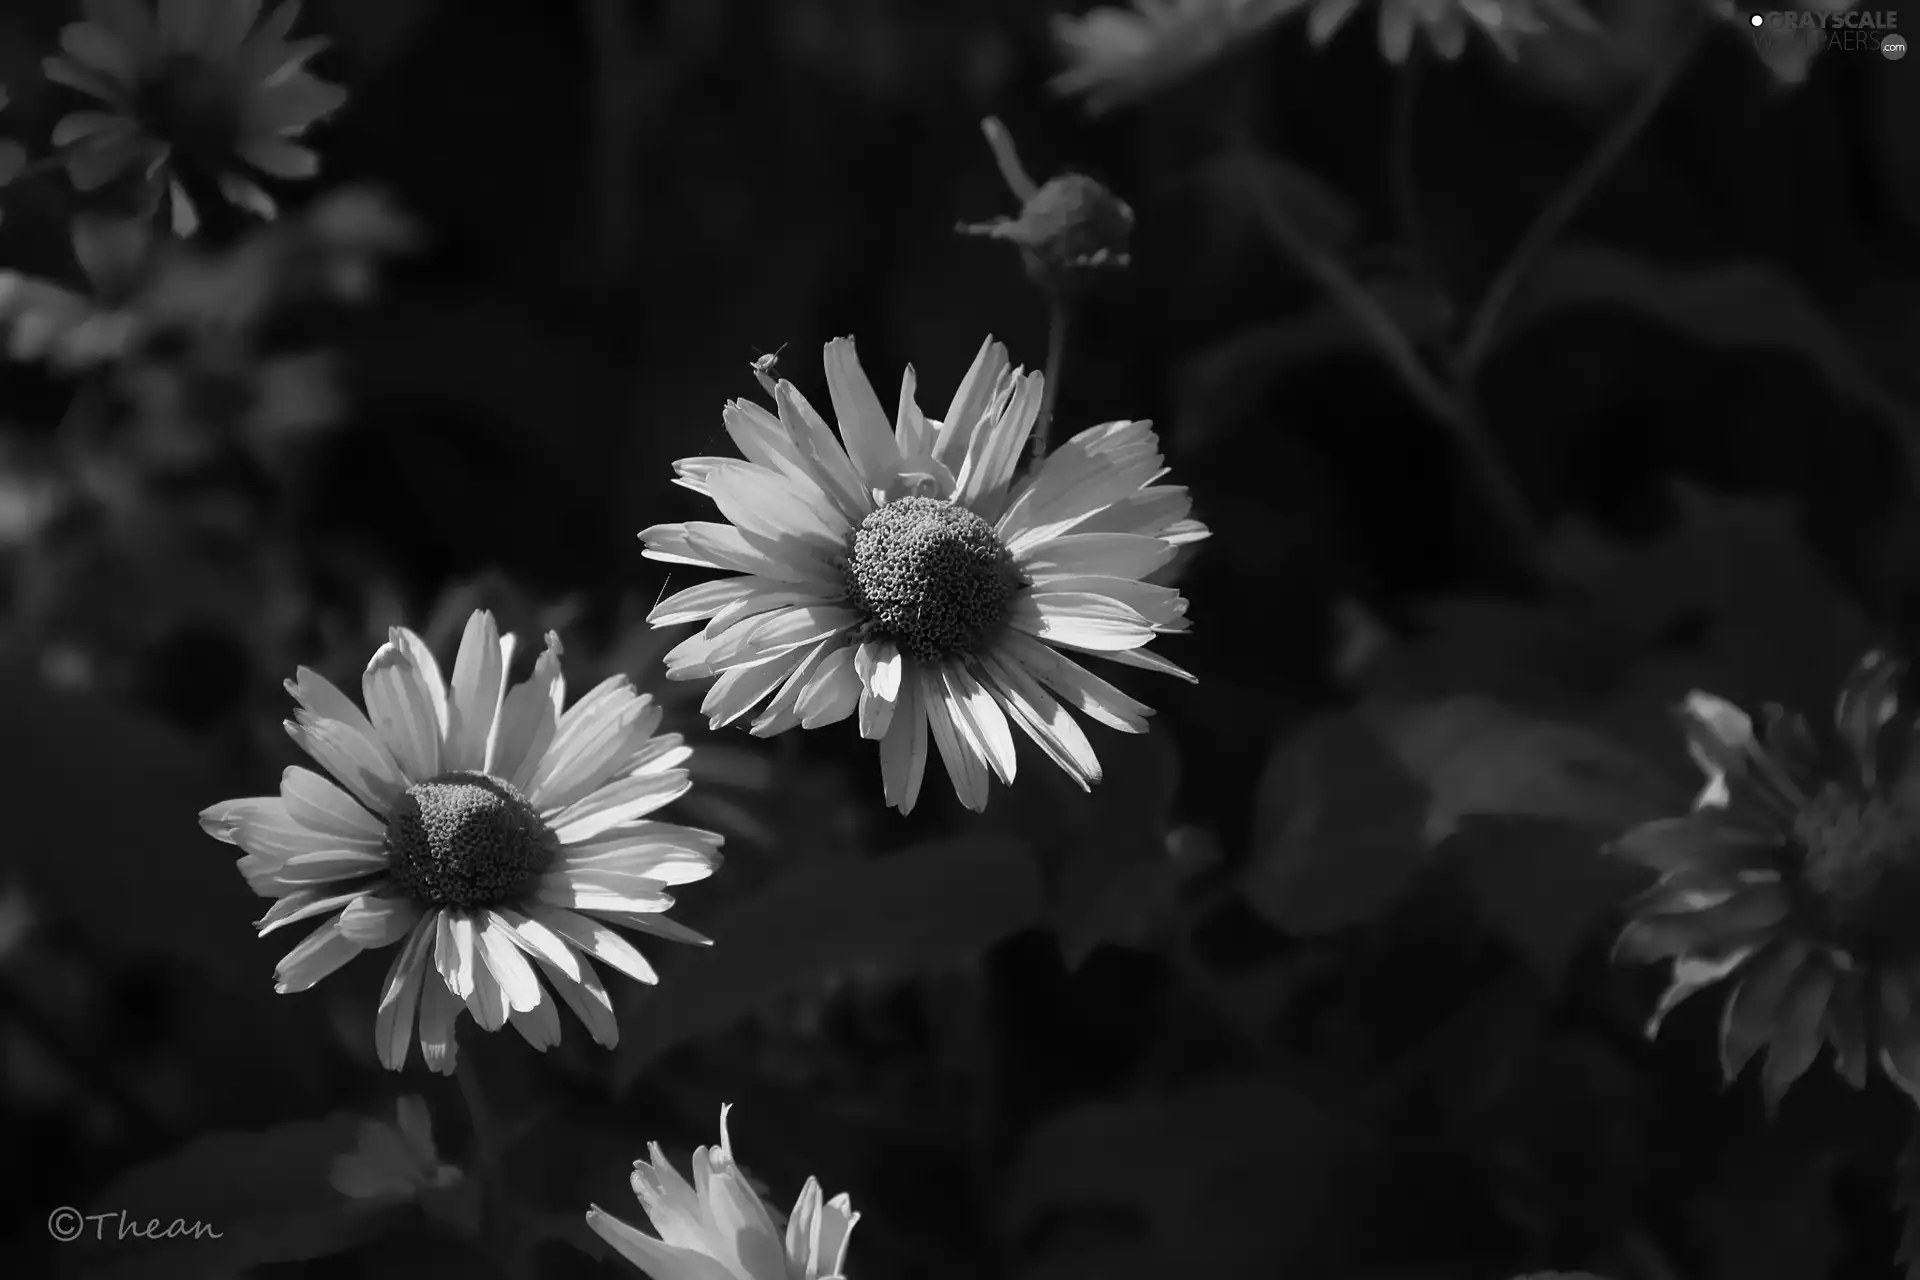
[195, 95]
[393, 1161]
[1115, 56]
[1796, 880]
[493, 838]
[719, 1228]
[907, 577]
[1445, 22]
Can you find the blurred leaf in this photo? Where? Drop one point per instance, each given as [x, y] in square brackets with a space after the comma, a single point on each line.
[1479, 758]
[1337, 827]
[1729, 599]
[1320, 210]
[925, 907]
[266, 1194]
[1239, 1176]
[1541, 885]
[1112, 869]
[1742, 305]
[1349, 806]
[13, 158]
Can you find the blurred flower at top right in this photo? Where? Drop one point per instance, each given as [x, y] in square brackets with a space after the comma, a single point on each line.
[1116, 56]
[1796, 879]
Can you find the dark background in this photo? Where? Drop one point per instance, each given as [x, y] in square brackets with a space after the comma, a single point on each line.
[1256, 1008]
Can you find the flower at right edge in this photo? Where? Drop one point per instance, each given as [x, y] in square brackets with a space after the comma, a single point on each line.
[904, 573]
[1796, 879]
[718, 1228]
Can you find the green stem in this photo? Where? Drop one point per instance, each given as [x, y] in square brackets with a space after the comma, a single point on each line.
[1056, 356]
[512, 1250]
[1488, 473]
[1546, 228]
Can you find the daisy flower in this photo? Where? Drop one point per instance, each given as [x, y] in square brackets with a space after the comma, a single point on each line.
[491, 837]
[1445, 22]
[908, 577]
[1796, 880]
[719, 1228]
[197, 89]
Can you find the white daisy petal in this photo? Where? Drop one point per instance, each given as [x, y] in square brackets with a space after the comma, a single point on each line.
[878, 665]
[439, 1009]
[403, 710]
[1080, 619]
[740, 689]
[704, 599]
[378, 920]
[782, 710]
[721, 546]
[1074, 684]
[618, 802]
[319, 805]
[1122, 555]
[654, 1257]
[825, 458]
[598, 940]
[767, 601]
[832, 692]
[760, 437]
[354, 752]
[1146, 660]
[328, 864]
[1162, 607]
[509, 968]
[453, 954]
[319, 954]
[541, 943]
[863, 421]
[970, 401]
[529, 717]
[538, 1026]
[903, 751]
[488, 1002]
[997, 449]
[400, 996]
[979, 720]
[911, 434]
[1052, 729]
[586, 995]
[766, 505]
[473, 699]
[964, 764]
[304, 904]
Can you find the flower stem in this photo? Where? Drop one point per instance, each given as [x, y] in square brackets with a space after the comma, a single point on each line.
[511, 1249]
[1614, 144]
[1011, 170]
[1056, 355]
[1489, 474]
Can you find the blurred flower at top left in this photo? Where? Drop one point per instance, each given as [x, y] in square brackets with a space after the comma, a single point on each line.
[195, 92]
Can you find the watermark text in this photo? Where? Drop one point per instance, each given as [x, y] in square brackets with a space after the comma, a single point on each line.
[67, 1225]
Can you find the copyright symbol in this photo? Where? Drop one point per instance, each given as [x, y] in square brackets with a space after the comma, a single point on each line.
[65, 1224]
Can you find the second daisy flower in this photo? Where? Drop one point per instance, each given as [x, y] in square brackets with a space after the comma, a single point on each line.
[903, 573]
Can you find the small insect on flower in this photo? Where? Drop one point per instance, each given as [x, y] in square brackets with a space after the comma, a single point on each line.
[193, 91]
[908, 576]
[1796, 879]
[489, 835]
[719, 1228]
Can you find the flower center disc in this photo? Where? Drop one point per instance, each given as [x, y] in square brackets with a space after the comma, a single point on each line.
[466, 840]
[1862, 866]
[931, 576]
[193, 104]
